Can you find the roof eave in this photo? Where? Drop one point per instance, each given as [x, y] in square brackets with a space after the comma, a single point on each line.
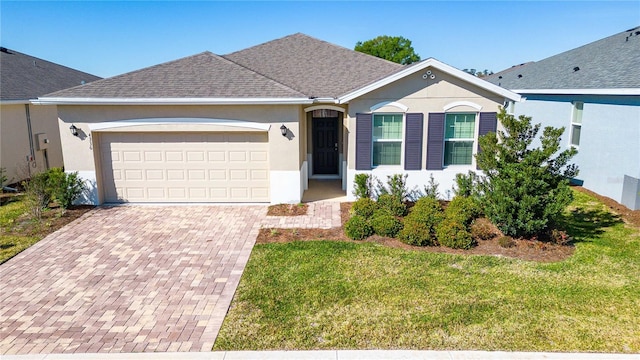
[431, 62]
[14, 102]
[621, 91]
[170, 101]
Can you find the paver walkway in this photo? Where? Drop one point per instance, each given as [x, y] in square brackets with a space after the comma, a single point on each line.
[134, 279]
[320, 215]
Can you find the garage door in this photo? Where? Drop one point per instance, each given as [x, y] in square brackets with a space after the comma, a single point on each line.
[185, 167]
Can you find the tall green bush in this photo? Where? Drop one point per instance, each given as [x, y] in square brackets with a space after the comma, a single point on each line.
[524, 189]
[363, 185]
[64, 187]
[37, 194]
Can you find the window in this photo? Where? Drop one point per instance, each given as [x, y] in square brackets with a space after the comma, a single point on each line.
[576, 123]
[459, 134]
[387, 139]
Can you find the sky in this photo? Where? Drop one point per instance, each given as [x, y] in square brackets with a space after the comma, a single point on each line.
[108, 38]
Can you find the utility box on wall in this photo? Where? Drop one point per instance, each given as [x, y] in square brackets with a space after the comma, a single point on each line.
[631, 193]
[43, 141]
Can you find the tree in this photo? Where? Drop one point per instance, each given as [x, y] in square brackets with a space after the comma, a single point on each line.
[392, 48]
[479, 74]
[524, 189]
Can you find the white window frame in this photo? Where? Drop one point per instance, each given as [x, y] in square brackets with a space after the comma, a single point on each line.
[473, 140]
[577, 112]
[402, 141]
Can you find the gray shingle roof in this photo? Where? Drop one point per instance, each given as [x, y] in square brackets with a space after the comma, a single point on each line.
[203, 75]
[609, 63]
[24, 77]
[314, 67]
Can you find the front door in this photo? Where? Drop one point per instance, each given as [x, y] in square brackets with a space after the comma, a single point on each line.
[325, 146]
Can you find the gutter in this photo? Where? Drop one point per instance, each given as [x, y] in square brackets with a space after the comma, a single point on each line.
[171, 101]
[622, 91]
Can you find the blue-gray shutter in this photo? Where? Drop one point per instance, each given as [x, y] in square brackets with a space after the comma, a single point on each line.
[435, 141]
[364, 125]
[413, 142]
[488, 123]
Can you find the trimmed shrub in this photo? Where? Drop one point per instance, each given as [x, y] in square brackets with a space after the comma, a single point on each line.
[364, 207]
[482, 229]
[463, 209]
[358, 228]
[363, 184]
[453, 234]
[385, 224]
[416, 233]
[393, 204]
[426, 211]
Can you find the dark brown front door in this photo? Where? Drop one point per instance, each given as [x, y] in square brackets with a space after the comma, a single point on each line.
[325, 146]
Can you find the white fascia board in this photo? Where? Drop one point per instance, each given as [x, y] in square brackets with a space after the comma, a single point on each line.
[170, 101]
[431, 62]
[626, 91]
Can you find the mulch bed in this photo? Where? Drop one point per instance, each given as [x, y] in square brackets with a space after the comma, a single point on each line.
[287, 210]
[524, 249]
[52, 220]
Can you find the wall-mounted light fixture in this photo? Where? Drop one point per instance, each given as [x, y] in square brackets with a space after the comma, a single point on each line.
[74, 130]
[283, 130]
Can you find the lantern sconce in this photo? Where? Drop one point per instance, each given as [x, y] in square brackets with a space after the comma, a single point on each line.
[283, 130]
[74, 130]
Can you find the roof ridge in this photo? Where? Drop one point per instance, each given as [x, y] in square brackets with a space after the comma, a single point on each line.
[286, 87]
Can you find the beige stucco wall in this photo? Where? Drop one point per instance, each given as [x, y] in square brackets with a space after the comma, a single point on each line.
[14, 140]
[420, 96]
[284, 152]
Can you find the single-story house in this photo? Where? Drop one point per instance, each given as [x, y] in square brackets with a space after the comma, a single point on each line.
[592, 91]
[257, 124]
[29, 135]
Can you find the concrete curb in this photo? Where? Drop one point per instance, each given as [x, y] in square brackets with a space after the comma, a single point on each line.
[331, 355]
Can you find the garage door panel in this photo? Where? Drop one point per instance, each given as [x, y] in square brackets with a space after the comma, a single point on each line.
[165, 167]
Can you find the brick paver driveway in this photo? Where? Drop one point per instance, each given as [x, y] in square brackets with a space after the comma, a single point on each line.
[128, 279]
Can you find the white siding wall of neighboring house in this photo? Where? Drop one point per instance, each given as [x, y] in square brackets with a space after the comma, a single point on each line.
[609, 142]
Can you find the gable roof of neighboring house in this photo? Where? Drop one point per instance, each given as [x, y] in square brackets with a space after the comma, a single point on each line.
[25, 77]
[609, 63]
[296, 69]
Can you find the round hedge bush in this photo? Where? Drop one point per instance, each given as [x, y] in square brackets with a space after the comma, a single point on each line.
[385, 224]
[426, 211]
[393, 204]
[453, 234]
[358, 228]
[462, 208]
[364, 207]
[416, 233]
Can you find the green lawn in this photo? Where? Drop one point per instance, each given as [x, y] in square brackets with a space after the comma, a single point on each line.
[342, 295]
[11, 241]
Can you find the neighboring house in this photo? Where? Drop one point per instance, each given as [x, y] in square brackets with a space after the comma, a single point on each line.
[255, 125]
[29, 135]
[594, 93]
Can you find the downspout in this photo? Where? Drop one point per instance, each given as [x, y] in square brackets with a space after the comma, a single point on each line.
[32, 157]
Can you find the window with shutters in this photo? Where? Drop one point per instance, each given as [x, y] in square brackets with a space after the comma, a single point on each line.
[459, 137]
[387, 139]
[576, 123]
